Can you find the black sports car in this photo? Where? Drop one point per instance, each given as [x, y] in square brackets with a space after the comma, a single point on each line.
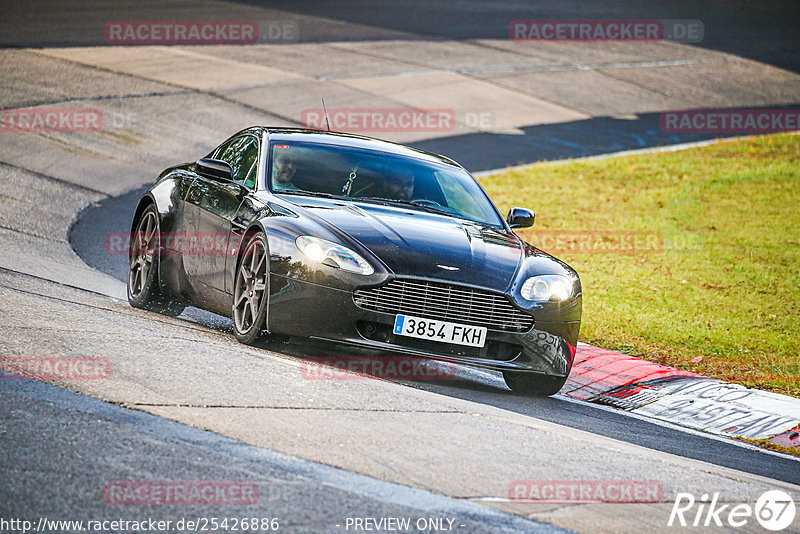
[358, 241]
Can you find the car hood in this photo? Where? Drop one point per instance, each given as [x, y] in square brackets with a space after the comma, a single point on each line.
[427, 245]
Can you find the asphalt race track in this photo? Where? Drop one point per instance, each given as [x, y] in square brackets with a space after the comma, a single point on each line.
[185, 402]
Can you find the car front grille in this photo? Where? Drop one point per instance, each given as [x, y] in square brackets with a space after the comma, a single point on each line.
[445, 302]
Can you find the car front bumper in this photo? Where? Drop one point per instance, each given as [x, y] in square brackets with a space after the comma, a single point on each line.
[304, 309]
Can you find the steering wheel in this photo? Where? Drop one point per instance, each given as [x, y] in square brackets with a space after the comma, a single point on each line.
[426, 202]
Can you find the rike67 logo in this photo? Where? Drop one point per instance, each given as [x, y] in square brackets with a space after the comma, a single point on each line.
[774, 510]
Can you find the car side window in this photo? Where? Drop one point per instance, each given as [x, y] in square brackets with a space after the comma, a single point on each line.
[242, 155]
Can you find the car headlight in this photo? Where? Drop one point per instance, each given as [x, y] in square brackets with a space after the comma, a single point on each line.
[333, 255]
[547, 287]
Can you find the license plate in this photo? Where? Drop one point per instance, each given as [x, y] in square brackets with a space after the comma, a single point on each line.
[442, 331]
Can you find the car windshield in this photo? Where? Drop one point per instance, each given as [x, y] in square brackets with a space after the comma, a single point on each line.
[371, 176]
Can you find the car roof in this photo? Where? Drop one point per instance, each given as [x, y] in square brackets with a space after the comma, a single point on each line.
[352, 140]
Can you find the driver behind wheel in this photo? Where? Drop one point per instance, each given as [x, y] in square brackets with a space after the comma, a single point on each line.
[283, 172]
[400, 187]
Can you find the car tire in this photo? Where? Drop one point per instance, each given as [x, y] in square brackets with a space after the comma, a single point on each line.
[251, 289]
[144, 257]
[533, 384]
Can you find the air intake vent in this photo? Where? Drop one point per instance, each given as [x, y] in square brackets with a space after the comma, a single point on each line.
[445, 302]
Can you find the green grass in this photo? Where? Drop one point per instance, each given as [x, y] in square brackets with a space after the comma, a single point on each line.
[720, 293]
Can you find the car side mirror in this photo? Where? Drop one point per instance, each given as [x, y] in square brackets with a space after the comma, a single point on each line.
[520, 218]
[214, 168]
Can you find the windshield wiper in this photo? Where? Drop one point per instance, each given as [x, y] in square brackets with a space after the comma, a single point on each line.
[415, 203]
[302, 193]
